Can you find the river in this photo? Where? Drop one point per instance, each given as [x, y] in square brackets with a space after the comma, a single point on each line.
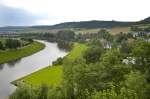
[14, 70]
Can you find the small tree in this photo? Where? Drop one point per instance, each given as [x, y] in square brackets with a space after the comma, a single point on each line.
[43, 93]
[1, 46]
[105, 35]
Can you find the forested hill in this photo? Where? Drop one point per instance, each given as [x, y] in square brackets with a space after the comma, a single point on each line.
[87, 24]
[94, 24]
[145, 21]
[81, 24]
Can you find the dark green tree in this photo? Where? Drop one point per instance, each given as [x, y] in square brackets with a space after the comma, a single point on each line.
[66, 35]
[43, 92]
[1, 46]
[93, 54]
[105, 35]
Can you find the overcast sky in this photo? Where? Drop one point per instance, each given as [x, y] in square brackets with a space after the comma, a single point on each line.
[48, 12]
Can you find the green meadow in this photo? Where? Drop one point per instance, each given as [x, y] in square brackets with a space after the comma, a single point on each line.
[11, 55]
[51, 75]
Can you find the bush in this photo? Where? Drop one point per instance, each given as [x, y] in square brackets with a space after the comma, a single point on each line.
[59, 61]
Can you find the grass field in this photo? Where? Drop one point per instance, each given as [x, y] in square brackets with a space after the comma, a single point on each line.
[77, 51]
[49, 76]
[10, 55]
[112, 31]
[52, 75]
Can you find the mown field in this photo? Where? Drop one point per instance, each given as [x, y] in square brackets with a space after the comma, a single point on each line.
[11, 55]
[51, 75]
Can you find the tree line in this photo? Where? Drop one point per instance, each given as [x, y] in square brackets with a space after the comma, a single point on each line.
[14, 43]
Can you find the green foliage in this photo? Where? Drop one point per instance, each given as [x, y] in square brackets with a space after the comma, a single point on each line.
[104, 78]
[56, 93]
[30, 40]
[1, 46]
[43, 92]
[65, 45]
[59, 61]
[141, 52]
[24, 92]
[67, 35]
[120, 38]
[94, 42]
[12, 43]
[136, 84]
[112, 57]
[10, 55]
[53, 73]
[105, 35]
[111, 94]
[136, 29]
[93, 54]
[126, 47]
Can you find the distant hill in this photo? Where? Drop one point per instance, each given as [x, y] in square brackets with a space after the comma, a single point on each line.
[87, 24]
[145, 21]
[69, 25]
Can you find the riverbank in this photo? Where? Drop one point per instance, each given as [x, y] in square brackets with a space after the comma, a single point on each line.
[51, 75]
[11, 55]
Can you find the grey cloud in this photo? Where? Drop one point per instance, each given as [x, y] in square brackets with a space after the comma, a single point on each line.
[13, 16]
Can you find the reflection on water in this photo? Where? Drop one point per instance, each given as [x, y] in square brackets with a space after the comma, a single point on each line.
[19, 68]
[13, 63]
[1, 66]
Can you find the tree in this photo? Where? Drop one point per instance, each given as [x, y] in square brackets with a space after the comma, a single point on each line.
[16, 44]
[68, 78]
[121, 37]
[147, 29]
[141, 53]
[59, 61]
[12, 43]
[43, 92]
[136, 83]
[1, 46]
[95, 42]
[126, 47]
[93, 54]
[136, 29]
[105, 35]
[66, 35]
[24, 92]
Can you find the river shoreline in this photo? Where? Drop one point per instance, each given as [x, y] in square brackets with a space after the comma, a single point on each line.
[13, 55]
[27, 65]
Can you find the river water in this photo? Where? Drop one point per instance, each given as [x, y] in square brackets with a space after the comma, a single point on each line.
[14, 70]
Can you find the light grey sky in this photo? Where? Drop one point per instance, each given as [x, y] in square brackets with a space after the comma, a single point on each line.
[48, 12]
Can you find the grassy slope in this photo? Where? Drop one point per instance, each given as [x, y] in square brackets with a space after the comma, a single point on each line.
[10, 55]
[51, 76]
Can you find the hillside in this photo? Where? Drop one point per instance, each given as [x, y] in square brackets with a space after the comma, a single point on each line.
[87, 24]
[71, 25]
[145, 21]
